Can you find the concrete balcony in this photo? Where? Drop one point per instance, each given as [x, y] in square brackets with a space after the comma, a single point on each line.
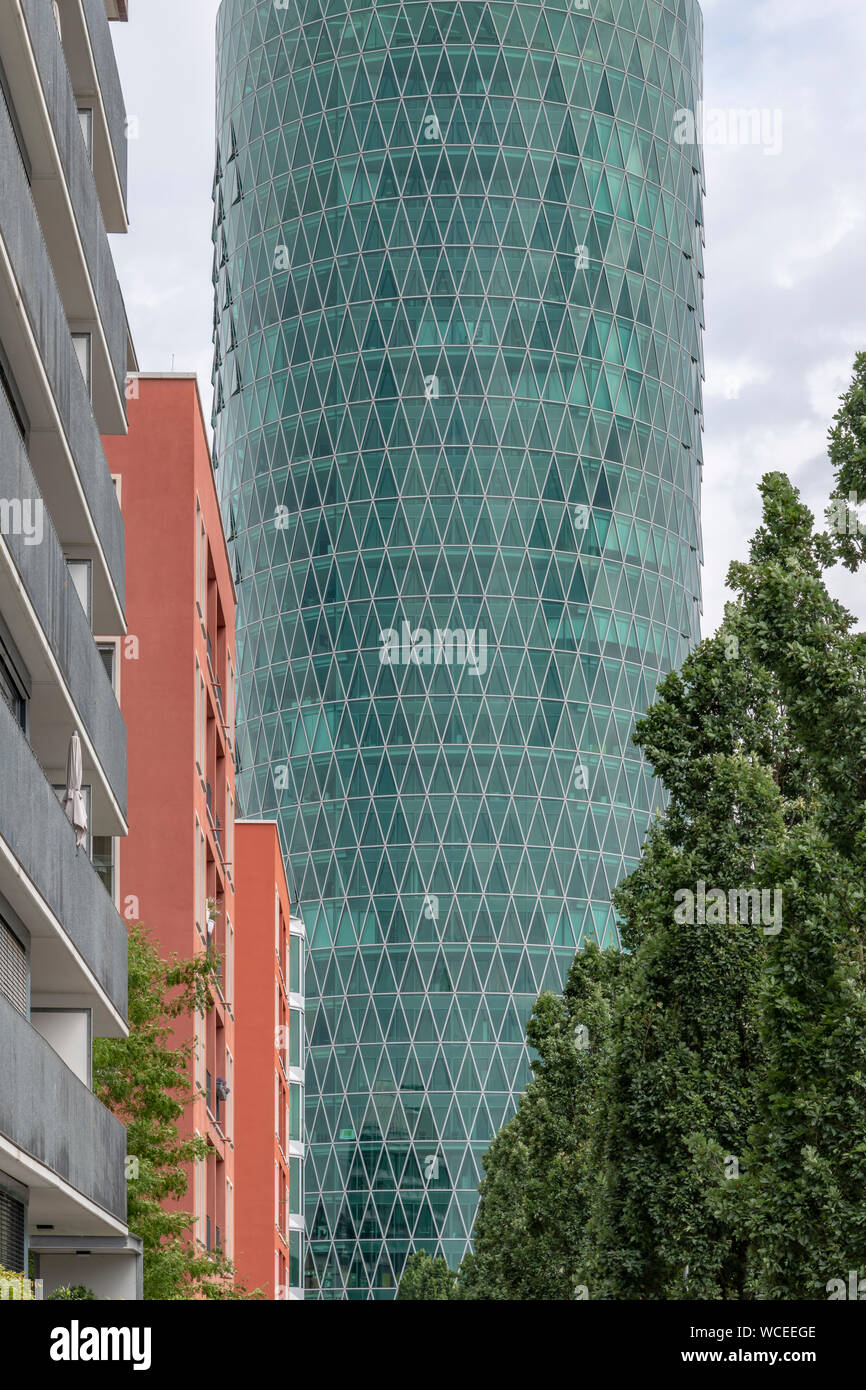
[62, 177]
[64, 445]
[70, 686]
[78, 944]
[56, 1138]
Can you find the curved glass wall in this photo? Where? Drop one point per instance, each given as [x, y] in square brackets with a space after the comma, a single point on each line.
[457, 431]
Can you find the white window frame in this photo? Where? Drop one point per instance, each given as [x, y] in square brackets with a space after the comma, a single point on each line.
[200, 1175]
[85, 117]
[200, 719]
[229, 971]
[201, 565]
[229, 1102]
[81, 574]
[82, 343]
[200, 881]
[230, 1221]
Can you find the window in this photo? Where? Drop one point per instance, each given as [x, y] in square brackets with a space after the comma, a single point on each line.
[230, 829]
[80, 572]
[103, 861]
[228, 982]
[296, 1024]
[16, 128]
[296, 965]
[296, 1187]
[13, 397]
[294, 1259]
[12, 688]
[85, 116]
[201, 564]
[82, 344]
[13, 1224]
[296, 1117]
[200, 1191]
[13, 969]
[200, 718]
[200, 1044]
[108, 656]
[230, 696]
[200, 881]
[70, 1033]
[229, 1117]
[230, 1220]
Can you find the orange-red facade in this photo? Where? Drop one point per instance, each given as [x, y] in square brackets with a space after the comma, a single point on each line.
[176, 682]
[269, 1074]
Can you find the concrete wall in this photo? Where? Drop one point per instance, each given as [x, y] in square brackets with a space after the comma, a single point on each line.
[20, 230]
[51, 1115]
[79, 176]
[34, 825]
[109, 81]
[45, 575]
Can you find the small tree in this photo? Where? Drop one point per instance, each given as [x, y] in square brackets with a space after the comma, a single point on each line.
[145, 1080]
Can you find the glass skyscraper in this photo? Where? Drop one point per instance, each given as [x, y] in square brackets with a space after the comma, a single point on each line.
[458, 266]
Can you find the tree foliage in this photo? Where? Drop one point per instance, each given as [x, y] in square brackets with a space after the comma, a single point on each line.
[145, 1080]
[426, 1279]
[710, 1142]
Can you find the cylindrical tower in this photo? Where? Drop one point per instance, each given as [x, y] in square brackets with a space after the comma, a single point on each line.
[457, 431]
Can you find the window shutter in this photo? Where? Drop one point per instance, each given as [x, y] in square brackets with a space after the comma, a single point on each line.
[13, 969]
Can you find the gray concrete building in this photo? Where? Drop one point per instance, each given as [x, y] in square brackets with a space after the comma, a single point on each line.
[65, 351]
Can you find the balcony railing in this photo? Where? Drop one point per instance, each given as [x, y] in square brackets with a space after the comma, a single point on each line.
[46, 1112]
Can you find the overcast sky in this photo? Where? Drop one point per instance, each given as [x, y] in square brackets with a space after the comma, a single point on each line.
[785, 288]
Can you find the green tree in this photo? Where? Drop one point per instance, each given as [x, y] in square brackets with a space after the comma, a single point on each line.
[533, 1197]
[720, 1150]
[848, 457]
[145, 1080]
[805, 1194]
[679, 1079]
[426, 1279]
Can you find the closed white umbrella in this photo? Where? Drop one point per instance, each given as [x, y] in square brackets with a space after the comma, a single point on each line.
[73, 798]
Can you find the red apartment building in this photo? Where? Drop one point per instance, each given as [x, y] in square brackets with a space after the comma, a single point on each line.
[175, 676]
[269, 1073]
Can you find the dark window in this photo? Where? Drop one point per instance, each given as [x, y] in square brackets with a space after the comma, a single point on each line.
[103, 860]
[11, 689]
[13, 399]
[11, 1233]
[13, 971]
[107, 651]
[16, 128]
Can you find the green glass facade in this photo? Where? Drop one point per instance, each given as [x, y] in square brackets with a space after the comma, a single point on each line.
[457, 431]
